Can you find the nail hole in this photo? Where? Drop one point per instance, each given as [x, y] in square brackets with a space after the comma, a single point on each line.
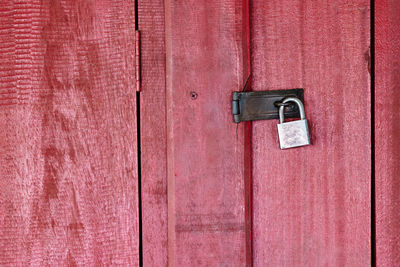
[193, 95]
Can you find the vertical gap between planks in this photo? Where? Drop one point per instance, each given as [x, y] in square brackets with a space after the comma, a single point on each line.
[139, 159]
[139, 179]
[249, 143]
[372, 75]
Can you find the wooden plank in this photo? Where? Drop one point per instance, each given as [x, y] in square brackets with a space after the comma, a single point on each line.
[312, 204]
[207, 59]
[387, 132]
[68, 158]
[153, 133]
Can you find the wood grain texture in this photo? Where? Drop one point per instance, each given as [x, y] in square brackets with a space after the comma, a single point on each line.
[312, 204]
[153, 133]
[207, 59]
[387, 132]
[68, 176]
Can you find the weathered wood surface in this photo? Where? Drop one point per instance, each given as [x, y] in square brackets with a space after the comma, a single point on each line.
[312, 204]
[153, 133]
[387, 132]
[68, 175]
[207, 59]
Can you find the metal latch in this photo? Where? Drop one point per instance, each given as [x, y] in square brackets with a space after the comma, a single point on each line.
[262, 105]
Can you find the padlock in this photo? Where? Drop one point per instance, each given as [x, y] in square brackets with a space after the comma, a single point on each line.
[293, 133]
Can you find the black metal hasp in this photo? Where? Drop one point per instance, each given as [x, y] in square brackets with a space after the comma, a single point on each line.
[264, 105]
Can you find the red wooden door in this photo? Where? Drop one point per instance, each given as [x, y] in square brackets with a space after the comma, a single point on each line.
[68, 157]
[202, 197]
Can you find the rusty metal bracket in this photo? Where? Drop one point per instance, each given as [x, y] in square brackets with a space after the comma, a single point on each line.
[263, 105]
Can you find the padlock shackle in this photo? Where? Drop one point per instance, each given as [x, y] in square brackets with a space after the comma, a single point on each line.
[299, 104]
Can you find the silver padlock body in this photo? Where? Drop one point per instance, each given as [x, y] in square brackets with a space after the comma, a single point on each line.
[293, 134]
